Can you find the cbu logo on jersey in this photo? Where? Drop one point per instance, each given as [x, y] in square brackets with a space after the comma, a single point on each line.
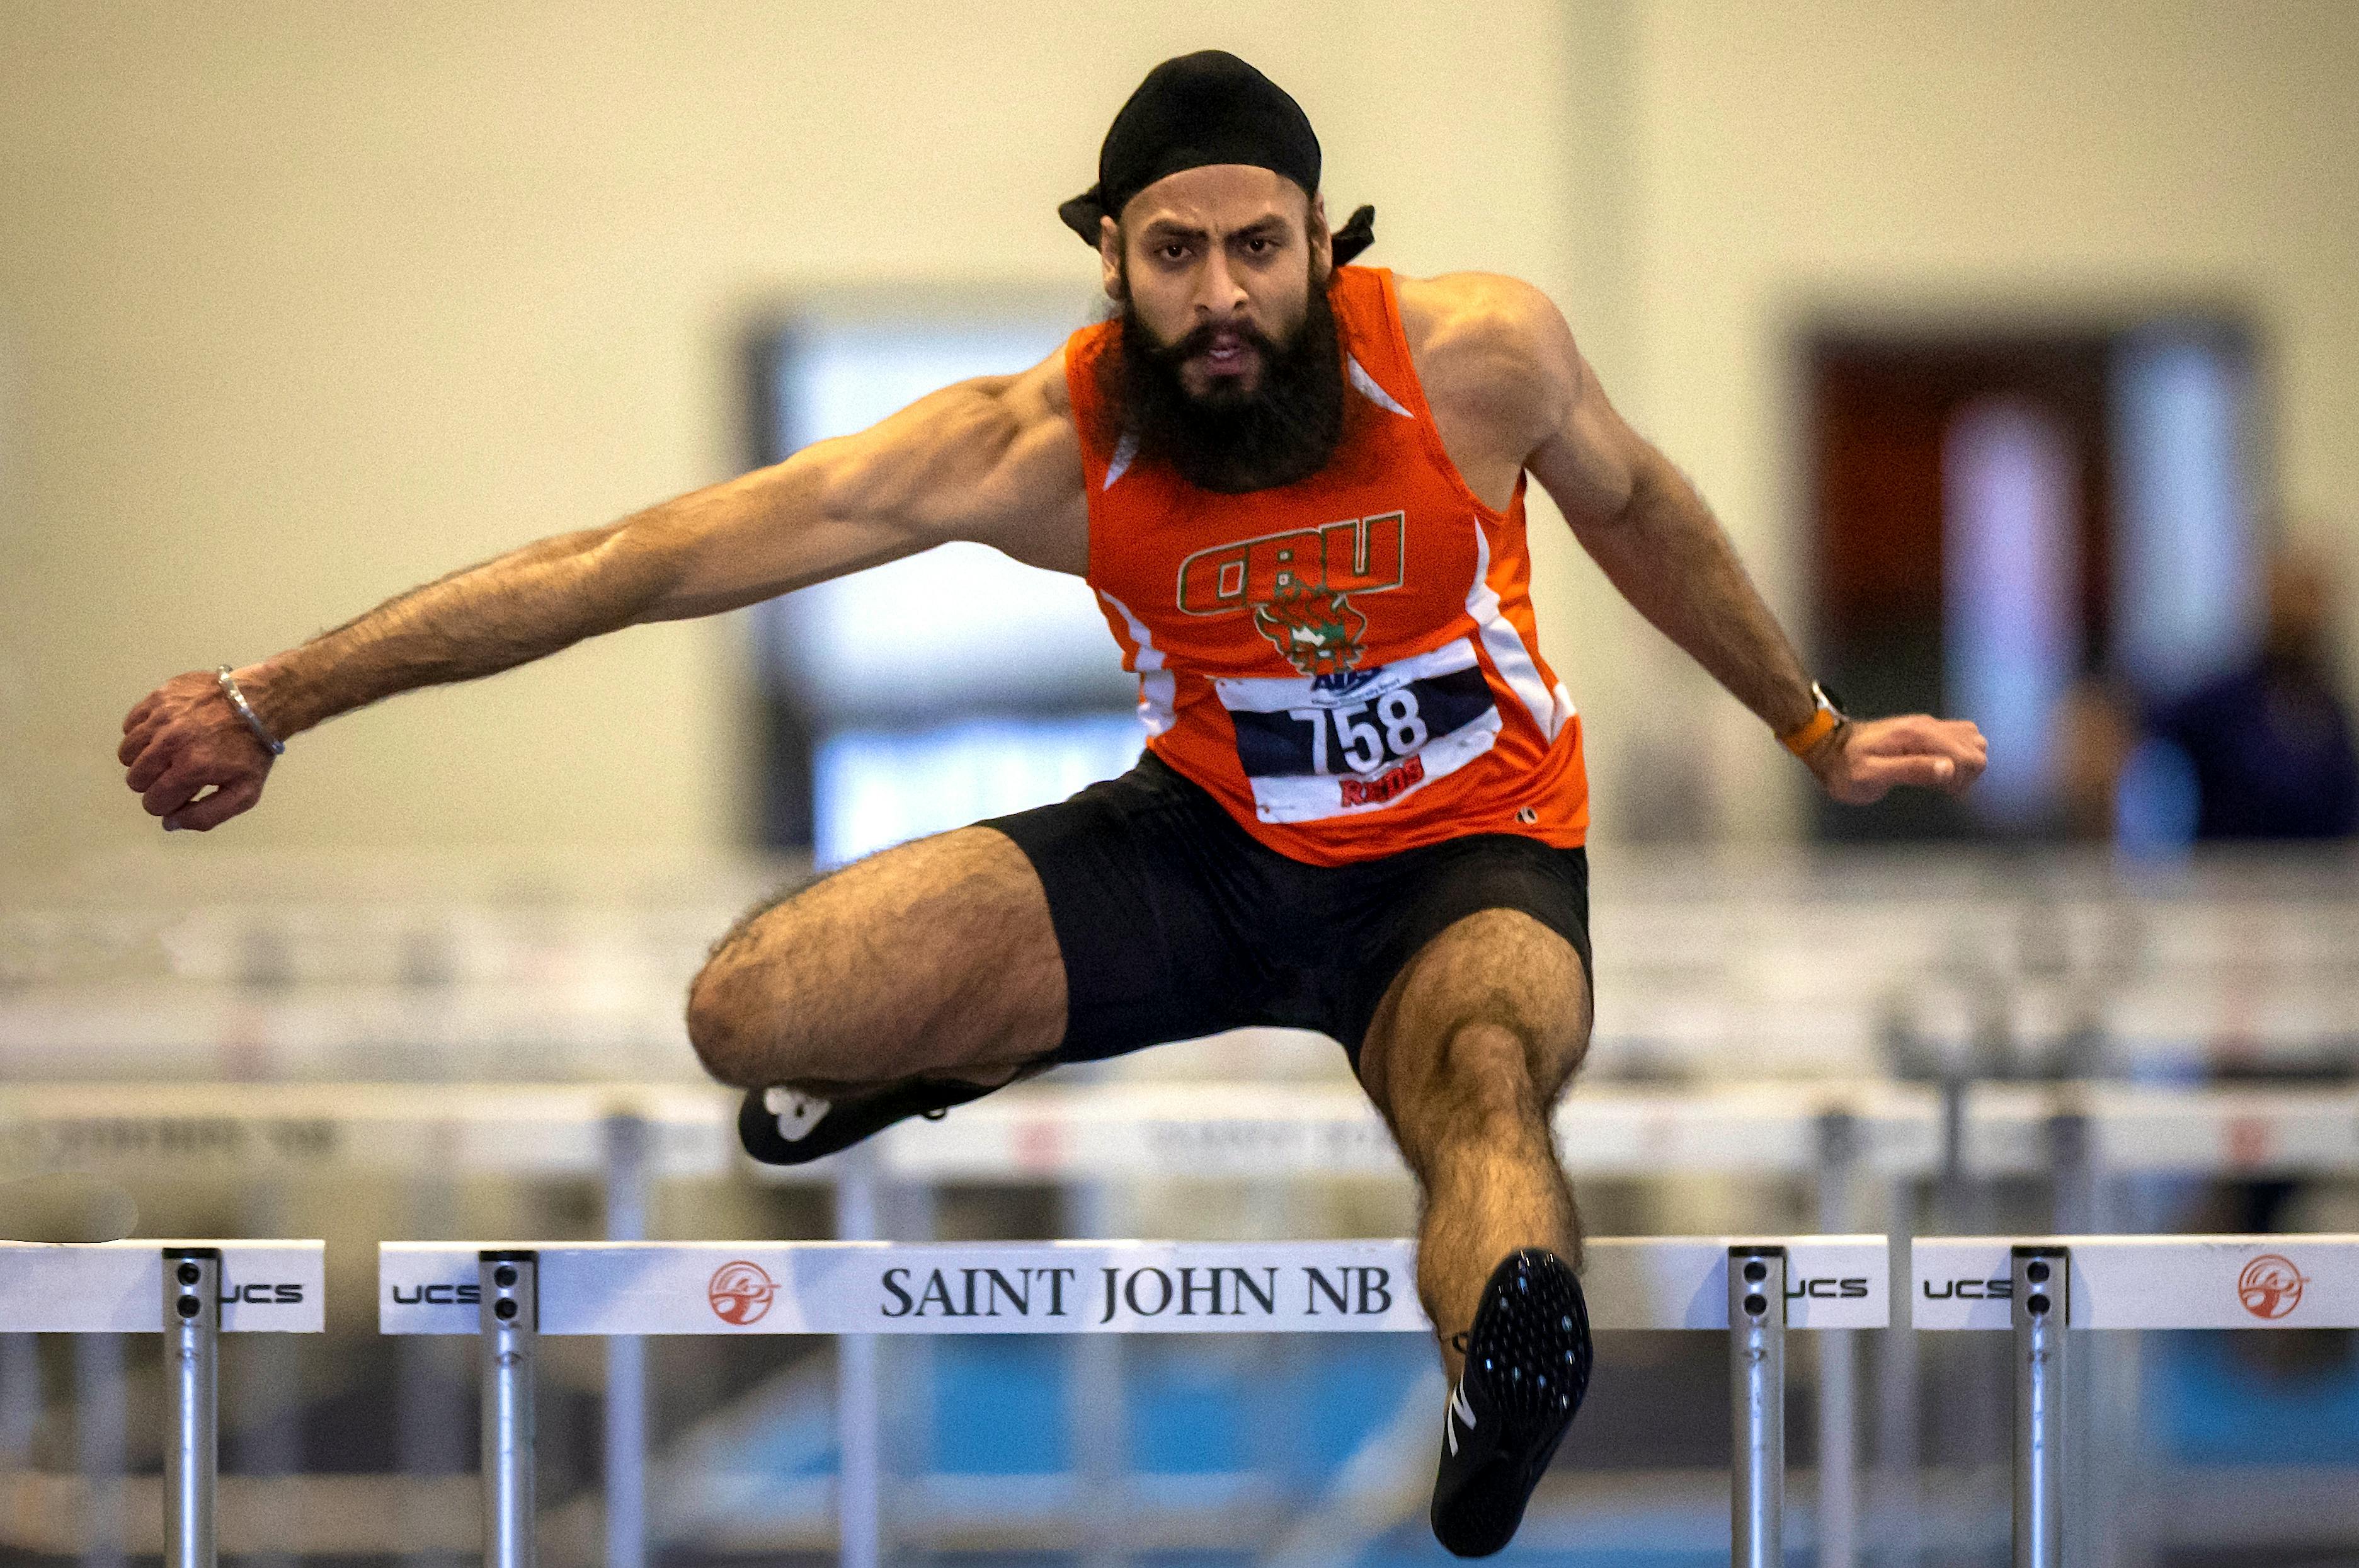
[1299, 584]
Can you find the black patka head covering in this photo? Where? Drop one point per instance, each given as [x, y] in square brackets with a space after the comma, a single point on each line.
[1206, 108]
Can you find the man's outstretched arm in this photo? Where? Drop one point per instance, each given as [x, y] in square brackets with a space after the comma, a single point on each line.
[1659, 543]
[994, 460]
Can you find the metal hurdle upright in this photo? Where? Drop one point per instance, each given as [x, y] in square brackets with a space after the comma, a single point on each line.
[191, 1292]
[2043, 1289]
[1754, 1290]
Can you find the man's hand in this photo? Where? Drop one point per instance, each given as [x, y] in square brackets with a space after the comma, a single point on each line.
[183, 738]
[1863, 759]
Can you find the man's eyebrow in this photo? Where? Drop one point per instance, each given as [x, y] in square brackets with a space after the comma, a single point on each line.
[1162, 229]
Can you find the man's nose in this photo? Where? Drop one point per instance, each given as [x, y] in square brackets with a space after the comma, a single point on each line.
[1218, 294]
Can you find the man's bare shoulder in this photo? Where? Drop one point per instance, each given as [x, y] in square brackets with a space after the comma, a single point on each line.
[1482, 316]
[1033, 503]
[1041, 404]
[1492, 350]
[1042, 393]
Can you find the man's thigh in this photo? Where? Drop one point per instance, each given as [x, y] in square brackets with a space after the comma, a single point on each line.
[1153, 893]
[937, 956]
[1493, 1012]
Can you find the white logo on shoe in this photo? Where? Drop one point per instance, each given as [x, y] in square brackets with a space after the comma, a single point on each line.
[1457, 1411]
[797, 1113]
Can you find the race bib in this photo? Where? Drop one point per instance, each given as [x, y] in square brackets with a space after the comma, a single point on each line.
[1330, 746]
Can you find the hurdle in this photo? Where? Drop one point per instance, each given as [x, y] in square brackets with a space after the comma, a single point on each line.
[191, 1292]
[509, 1293]
[2038, 1289]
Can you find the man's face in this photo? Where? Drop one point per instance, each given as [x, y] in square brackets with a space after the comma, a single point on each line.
[1229, 368]
[1218, 264]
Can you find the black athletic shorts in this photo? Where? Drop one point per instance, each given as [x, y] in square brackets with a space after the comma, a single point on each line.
[1176, 922]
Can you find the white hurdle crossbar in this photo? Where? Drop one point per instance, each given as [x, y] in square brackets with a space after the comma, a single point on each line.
[192, 1292]
[2040, 1288]
[508, 1293]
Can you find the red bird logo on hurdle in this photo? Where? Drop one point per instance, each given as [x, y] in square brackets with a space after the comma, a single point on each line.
[2270, 1286]
[740, 1292]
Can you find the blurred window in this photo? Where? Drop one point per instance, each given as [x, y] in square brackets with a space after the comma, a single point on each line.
[881, 786]
[919, 695]
[2185, 605]
[2011, 565]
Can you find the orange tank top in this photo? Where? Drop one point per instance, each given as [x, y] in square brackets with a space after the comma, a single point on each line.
[1348, 663]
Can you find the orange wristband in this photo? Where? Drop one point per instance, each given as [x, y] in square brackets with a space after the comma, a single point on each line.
[1820, 725]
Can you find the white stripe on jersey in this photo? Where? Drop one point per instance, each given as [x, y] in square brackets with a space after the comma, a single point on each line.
[1374, 393]
[1156, 686]
[1125, 452]
[1551, 707]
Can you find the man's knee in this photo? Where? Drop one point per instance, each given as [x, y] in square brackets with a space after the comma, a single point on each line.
[752, 1017]
[1482, 1073]
[726, 1023]
[1557, 1054]
[1499, 1003]
[1466, 1087]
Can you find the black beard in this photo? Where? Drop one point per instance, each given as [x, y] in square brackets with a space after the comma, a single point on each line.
[1232, 441]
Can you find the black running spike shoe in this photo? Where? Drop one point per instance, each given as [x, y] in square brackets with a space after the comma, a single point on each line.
[786, 1126]
[1527, 1368]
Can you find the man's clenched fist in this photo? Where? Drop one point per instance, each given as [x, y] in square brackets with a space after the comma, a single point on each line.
[1867, 758]
[184, 738]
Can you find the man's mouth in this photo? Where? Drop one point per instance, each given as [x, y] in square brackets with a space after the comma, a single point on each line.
[1227, 353]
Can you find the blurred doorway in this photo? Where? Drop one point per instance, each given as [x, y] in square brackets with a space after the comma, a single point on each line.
[2025, 529]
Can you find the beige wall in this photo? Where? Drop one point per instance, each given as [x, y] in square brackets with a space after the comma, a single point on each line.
[300, 304]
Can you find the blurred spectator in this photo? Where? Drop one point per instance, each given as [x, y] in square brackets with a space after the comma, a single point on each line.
[2269, 745]
[2096, 731]
[2269, 751]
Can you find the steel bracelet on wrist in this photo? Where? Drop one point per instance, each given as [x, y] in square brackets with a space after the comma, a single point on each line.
[245, 710]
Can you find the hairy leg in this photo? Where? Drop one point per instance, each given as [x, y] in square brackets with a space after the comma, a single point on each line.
[1475, 1039]
[934, 959]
